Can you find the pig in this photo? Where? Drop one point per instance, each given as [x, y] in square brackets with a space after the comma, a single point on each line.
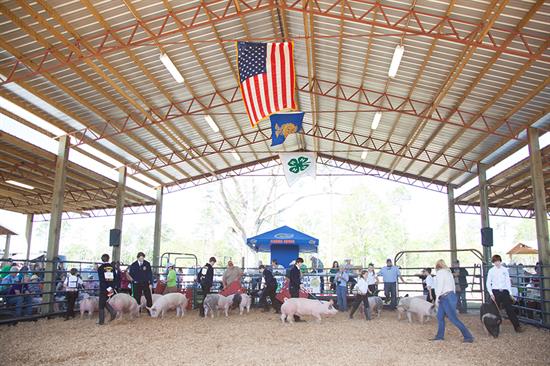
[124, 303]
[418, 306]
[490, 318]
[169, 301]
[375, 304]
[89, 304]
[143, 302]
[301, 306]
[210, 304]
[241, 300]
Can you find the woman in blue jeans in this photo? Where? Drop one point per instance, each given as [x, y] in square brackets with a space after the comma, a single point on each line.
[445, 293]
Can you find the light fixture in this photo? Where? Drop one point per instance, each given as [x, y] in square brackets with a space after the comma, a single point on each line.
[235, 155]
[364, 154]
[19, 184]
[376, 120]
[171, 67]
[211, 123]
[396, 60]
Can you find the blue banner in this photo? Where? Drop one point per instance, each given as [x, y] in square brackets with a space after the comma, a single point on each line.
[284, 124]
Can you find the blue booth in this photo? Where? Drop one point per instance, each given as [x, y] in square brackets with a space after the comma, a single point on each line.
[284, 243]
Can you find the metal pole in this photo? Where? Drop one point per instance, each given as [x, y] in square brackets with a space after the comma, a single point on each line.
[55, 220]
[119, 215]
[28, 234]
[7, 247]
[158, 228]
[484, 210]
[541, 222]
[452, 222]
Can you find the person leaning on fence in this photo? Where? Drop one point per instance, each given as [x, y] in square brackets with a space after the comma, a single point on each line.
[205, 278]
[141, 276]
[363, 293]
[72, 284]
[459, 274]
[445, 291]
[171, 279]
[499, 288]
[390, 275]
[15, 290]
[269, 290]
[107, 279]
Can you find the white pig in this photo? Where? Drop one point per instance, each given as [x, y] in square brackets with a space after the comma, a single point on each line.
[169, 301]
[143, 302]
[420, 307]
[299, 306]
[124, 303]
[245, 303]
[89, 304]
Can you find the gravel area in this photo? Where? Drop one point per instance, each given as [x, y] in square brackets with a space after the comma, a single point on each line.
[259, 339]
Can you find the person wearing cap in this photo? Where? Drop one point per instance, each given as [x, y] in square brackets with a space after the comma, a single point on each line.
[459, 274]
[141, 276]
[390, 275]
[205, 278]
[171, 279]
[72, 284]
[231, 280]
[499, 288]
[107, 275]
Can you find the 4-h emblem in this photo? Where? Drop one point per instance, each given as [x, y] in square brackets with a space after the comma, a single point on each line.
[298, 164]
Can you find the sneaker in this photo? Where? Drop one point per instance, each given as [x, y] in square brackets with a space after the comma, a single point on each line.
[520, 330]
[435, 339]
[468, 340]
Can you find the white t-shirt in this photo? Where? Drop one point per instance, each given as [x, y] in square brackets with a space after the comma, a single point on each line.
[371, 278]
[72, 282]
[429, 281]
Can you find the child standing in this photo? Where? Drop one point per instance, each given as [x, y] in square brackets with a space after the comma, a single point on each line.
[72, 284]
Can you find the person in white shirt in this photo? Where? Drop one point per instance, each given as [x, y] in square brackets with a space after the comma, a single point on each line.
[372, 279]
[499, 288]
[72, 284]
[430, 290]
[445, 292]
[363, 292]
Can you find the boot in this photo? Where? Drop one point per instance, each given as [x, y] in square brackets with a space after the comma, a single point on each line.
[101, 320]
[112, 312]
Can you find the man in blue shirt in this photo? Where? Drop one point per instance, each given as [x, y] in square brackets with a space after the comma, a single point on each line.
[390, 274]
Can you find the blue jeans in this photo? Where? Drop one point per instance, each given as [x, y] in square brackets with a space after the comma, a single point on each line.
[341, 296]
[390, 291]
[461, 303]
[18, 302]
[447, 307]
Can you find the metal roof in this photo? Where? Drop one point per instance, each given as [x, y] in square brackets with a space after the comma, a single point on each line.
[511, 191]
[474, 76]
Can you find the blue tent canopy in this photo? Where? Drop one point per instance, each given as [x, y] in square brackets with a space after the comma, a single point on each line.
[281, 237]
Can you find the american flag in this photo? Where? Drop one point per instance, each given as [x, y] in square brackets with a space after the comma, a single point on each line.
[266, 72]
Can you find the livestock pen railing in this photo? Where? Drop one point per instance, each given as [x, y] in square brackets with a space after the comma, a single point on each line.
[42, 298]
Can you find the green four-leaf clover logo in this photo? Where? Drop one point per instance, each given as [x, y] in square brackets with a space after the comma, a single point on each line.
[299, 164]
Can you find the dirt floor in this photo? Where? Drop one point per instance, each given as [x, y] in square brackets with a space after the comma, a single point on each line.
[260, 339]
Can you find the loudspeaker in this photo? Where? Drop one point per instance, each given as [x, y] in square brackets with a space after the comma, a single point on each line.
[114, 237]
[487, 237]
